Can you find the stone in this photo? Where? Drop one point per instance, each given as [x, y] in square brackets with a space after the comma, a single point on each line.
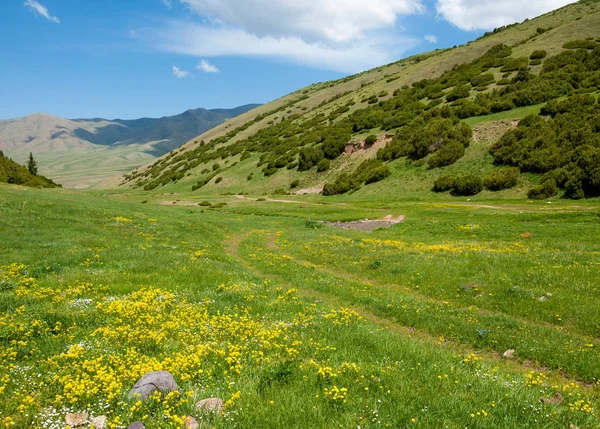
[543, 298]
[99, 422]
[75, 420]
[136, 425]
[509, 354]
[555, 400]
[150, 382]
[190, 422]
[213, 405]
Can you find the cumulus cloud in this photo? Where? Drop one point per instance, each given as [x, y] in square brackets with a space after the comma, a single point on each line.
[180, 74]
[338, 35]
[41, 10]
[488, 14]
[431, 38]
[167, 3]
[316, 20]
[209, 41]
[207, 67]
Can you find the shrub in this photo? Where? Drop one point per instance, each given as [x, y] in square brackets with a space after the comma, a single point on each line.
[580, 44]
[538, 55]
[535, 62]
[502, 179]
[444, 183]
[216, 166]
[294, 184]
[323, 165]
[483, 80]
[218, 180]
[205, 204]
[447, 154]
[467, 185]
[457, 93]
[371, 139]
[546, 190]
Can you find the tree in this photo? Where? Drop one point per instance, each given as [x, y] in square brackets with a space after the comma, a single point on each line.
[32, 165]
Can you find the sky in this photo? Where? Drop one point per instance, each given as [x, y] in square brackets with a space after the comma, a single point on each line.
[150, 58]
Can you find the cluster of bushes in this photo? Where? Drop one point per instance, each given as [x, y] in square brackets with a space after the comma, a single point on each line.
[503, 178]
[437, 132]
[565, 148]
[14, 173]
[466, 185]
[369, 171]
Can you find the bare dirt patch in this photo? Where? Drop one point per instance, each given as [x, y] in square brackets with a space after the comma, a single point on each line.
[315, 190]
[490, 132]
[381, 141]
[368, 224]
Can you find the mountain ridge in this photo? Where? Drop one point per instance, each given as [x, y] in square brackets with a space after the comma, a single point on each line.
[56, 141]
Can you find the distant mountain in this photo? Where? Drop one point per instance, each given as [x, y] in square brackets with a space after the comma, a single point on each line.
[83, 152]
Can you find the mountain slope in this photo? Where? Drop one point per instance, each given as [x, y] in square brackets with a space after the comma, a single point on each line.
[14, 173]
[316, 134]
[82, 152]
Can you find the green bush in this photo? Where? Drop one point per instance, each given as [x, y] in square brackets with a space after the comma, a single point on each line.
[462, 91]
[444, 183]
[538, 55]
[371, 139]
[323, 165]
[546, 190]
[294, 184]
[447, 154]
[483, 79]
[467, 185]
[218, 180]
[503, 178]
[580, 44]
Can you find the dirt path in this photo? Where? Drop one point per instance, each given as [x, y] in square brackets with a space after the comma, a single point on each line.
[491, 357]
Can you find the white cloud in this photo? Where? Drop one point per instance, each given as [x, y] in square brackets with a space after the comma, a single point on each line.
[338, 35]
[40, 9]
[207, 67]
[180, 74]
[312, 21]
[488, 14]
[167, 3]
[208, 41]
[431, 38]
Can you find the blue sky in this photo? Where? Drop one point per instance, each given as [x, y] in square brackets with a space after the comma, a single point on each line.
[135, 58]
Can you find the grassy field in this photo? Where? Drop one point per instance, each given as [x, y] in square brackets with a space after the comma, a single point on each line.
[296, 324]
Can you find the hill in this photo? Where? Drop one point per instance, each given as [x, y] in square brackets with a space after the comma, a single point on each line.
[13, 173]
[406, 124]
[83, 152]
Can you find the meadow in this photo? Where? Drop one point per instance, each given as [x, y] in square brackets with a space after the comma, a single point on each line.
[297, 324]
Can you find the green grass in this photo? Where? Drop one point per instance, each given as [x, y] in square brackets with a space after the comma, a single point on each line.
[246, 303]
[518, 113]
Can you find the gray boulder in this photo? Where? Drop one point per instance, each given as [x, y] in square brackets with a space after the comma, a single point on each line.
[162, 381]
[136, 425]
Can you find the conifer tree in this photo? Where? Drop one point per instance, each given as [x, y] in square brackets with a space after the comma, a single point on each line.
[32, 165]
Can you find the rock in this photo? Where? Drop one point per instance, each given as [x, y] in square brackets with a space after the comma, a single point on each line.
[76, 419]
[190, 423]
[572, 426]
[213, 405]
[509, 354]
[99, 422]
[162, 381]
[136, 425]
[543, 298]
[555, 400]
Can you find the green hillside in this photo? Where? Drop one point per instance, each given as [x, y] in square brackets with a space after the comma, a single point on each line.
[446, 113]
[13, 173]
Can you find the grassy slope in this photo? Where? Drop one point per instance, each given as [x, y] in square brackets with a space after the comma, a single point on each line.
[579, 20]
[433, 302]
